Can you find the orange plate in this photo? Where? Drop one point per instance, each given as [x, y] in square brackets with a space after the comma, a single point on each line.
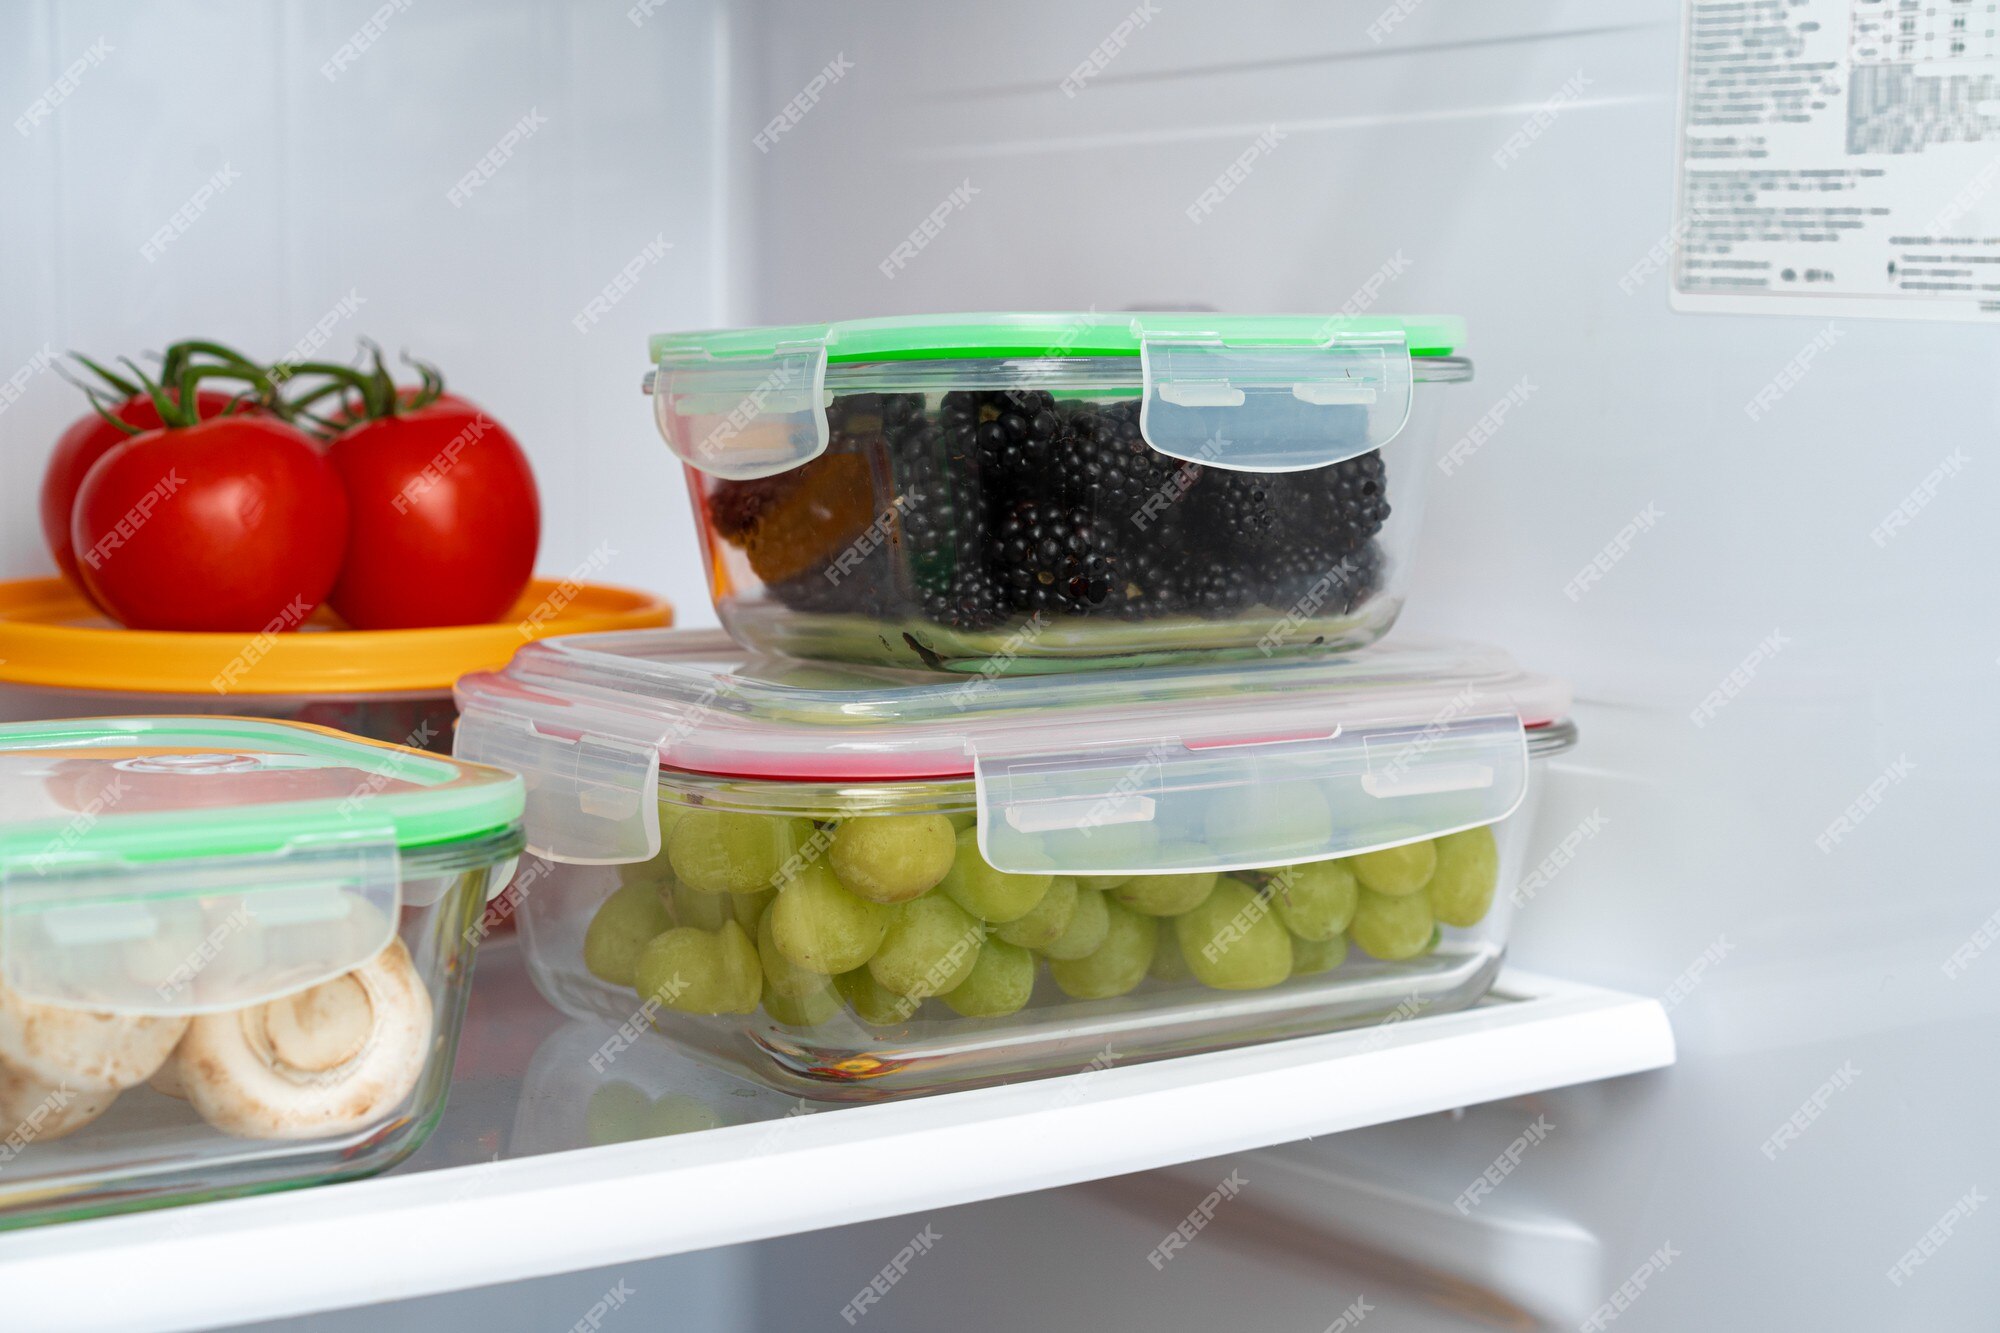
[49, 635]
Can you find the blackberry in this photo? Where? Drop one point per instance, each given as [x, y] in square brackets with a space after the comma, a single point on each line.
[1147, 584]
[1319, 580]
[1251, 509]
[1016, 435]
[1216, 586]
[970, 600]
[1108, 469]
[1007, 501]
[1048, 557]
[853, 407]
[1351, 502]
[861, 416]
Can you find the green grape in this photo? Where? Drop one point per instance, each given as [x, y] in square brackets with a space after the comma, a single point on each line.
[1168, 965]
[1252, 821]
[1390, 928]
[1311, 956]
[1108, 844]
[655, 873]
[1315, 900]
[962, 820]
[747, 908]
[803, 1011]
[671, 811]
[892, 858]
[989, 894]
[616, 1113]
[1000, 982]
[871, 1002]
[1468, 870]
[729, 851]
[629, 918]
[1430, 946]
[1046, 920]
[1118, 964]
[678, 1113]
[1396, 871]
[707, 910]
[702, 972]
[1235, 941]
[1166, 895]
[1101, 883]
[781, 974]
[822, 927]
[1086, 928]
[931, 947]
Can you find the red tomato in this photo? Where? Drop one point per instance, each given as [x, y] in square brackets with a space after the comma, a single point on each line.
[233, 524]
[443, 520]
[87, 440]
[351, 412]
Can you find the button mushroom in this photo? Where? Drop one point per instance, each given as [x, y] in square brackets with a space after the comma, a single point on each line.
[167, 1079]
[32, 1111]
[86, 1049]
[325, 1060]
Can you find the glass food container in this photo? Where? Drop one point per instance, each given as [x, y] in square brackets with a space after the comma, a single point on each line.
[59, 657]
[233, 954]
[1053, 491]
[855, 883]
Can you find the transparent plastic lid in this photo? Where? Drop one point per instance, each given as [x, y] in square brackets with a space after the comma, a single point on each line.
[1146, 770]
[171, 865]
[1221, 390]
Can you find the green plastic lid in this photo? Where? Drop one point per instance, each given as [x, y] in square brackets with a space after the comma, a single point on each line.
[185, 864]
[1219, 390]
[1052, 334]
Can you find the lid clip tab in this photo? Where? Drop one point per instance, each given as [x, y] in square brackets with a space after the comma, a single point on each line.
[1270, 405]
[742, 418]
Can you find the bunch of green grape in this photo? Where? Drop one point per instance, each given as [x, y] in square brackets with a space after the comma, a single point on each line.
[876, 914]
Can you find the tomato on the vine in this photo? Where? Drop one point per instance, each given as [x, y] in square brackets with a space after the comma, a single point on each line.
[236, 523]
[88, 439]
[443, 520]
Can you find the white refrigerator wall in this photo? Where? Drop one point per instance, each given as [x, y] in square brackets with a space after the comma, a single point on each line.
[340, 149]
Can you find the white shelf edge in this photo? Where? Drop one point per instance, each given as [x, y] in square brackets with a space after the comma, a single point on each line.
[231, 1262]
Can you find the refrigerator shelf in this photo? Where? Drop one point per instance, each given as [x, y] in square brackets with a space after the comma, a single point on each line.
[498, 1195]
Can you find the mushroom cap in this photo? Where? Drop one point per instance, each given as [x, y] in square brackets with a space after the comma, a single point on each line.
[87, 1049]
[32, 1111]
[167, 1078]
[325, 1060]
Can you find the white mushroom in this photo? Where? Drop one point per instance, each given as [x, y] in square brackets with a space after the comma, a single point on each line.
[326, 1060]
[85, 1049]
[32, 1111]
[167, 1078]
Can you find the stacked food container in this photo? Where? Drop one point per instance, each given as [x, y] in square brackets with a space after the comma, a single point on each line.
[235, 953]
[1053, 731]
[1050, 730]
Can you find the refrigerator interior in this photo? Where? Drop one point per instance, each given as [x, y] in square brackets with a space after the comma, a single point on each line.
[1692, 862]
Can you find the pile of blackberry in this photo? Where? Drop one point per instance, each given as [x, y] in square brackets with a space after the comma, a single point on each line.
[1008, 503]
